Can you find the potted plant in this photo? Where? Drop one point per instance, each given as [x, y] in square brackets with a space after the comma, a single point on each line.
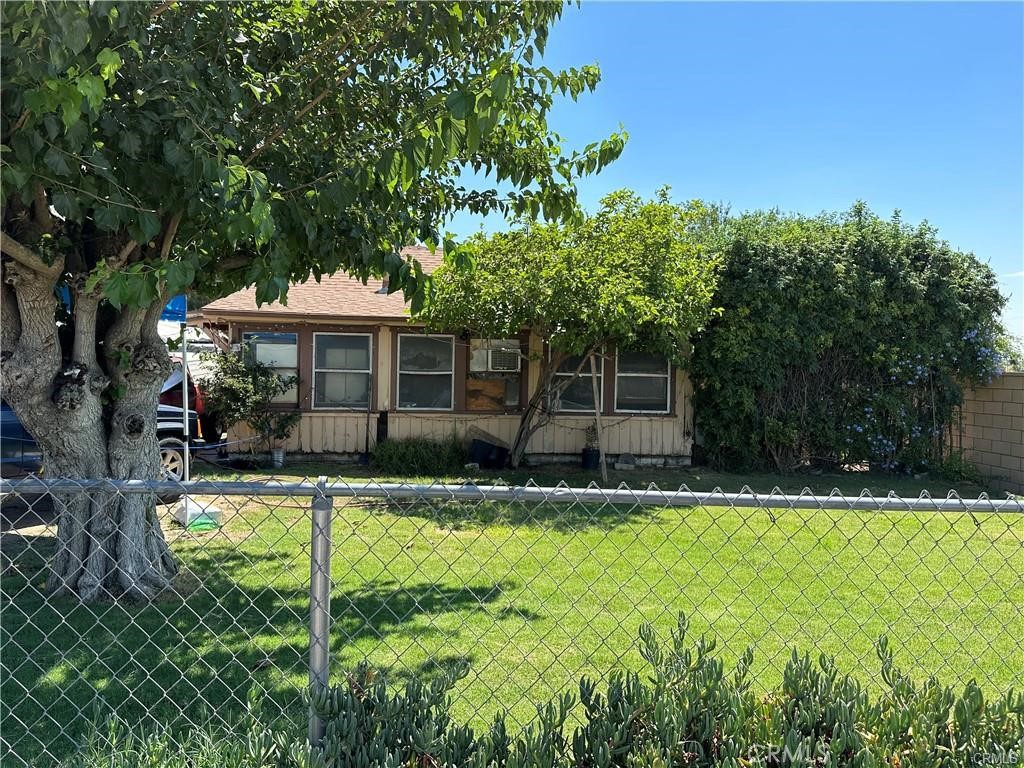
[591, 454]
[277, 427]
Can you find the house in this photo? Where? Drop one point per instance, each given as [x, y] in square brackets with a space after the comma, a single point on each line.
[367, 372]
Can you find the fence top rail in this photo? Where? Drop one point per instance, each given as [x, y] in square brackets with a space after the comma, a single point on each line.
[468, 491]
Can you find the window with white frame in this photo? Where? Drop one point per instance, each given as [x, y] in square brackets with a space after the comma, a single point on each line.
[642, 383]
[341, 370]
[426, 372]
[578, 395]
[493, 381]
[280, 351]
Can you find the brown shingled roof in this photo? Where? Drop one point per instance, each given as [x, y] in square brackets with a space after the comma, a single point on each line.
[339, 295]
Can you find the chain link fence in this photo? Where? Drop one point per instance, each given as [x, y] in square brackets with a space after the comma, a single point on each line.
[285, 582]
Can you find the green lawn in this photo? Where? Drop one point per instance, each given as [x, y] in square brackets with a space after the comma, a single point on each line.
[695, 478]
[531, 596]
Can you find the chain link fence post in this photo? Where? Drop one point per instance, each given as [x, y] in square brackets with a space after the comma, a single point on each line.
[319, 601]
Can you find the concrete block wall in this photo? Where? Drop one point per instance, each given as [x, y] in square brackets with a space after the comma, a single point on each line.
[991, 430]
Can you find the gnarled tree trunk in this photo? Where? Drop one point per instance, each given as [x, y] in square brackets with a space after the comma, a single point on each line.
[86, 389]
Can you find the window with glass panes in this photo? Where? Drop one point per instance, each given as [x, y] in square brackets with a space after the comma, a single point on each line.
[426, 372]
[280, 351]
[578, 396]
[341, 370]
[642, 383]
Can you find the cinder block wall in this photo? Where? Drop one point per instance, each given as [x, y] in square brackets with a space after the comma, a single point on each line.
[991, 430]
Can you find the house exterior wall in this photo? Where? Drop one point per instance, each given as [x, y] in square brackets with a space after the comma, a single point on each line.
[651, 437]
[991, 430]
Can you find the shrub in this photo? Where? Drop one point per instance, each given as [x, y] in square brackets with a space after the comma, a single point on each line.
[241, 390]
[686, 710]
[957, 469]
[843, 339]
[418, 456]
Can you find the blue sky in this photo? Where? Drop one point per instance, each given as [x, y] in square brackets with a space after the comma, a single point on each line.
[809, 107]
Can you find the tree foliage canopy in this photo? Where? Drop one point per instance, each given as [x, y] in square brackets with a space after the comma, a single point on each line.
[255, 143]
[844, 338]
[635, 275]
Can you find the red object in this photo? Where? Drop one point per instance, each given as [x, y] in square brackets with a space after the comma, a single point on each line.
[195, 397]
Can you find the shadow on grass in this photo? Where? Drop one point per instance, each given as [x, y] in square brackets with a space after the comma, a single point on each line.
[241, 621]
[562, 516]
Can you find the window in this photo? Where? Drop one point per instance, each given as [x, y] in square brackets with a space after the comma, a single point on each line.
[579, 395]
[425, 372]
[641, 383]
[341, 370]
[280, 352]
[494, 369]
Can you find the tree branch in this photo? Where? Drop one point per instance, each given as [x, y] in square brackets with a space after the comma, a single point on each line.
[169, 231]
[27, 257]
[278, 132]
[161, 8]
[18, 125]
[10, 320]
[42, 209]
[125, 252]
[84, 346]
[235, 261]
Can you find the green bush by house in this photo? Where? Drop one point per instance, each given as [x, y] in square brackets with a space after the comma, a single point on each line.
[686, 710]
[418, 456]
[842, 339]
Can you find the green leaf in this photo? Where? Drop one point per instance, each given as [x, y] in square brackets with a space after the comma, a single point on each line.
[145, 227]
[235, 178]
[66, 205]
[472, 135]
[500, 86]
[180, 275]
[76, 36]
[115, 289]
[108, 218]
[15, 176]
[175, 156]
[130, 143]
[460, 104]
[57, 162]
[92, 88]
[109, 62]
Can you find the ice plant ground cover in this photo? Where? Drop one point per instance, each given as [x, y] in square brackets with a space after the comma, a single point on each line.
[685, 707]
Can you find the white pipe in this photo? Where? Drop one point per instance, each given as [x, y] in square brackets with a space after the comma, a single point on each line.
[648, 497]
[184, 398]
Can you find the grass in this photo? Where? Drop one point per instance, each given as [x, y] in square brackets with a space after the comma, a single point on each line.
[531, 596]
[695, 478]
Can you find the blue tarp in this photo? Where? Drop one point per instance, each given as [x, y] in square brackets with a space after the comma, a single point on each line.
[175, 309]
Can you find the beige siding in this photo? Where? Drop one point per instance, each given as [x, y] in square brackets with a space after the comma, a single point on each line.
[382, 368]
[346, 433]
[335, 432]
[991, 430]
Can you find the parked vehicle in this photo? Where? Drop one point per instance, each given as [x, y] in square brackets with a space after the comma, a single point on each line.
[171, 395]
[21, 455]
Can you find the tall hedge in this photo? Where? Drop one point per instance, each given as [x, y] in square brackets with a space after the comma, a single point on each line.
[843, 338]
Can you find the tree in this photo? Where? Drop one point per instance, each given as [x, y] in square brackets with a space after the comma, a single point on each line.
[150, 149]
[844, 339]
[636, 275]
